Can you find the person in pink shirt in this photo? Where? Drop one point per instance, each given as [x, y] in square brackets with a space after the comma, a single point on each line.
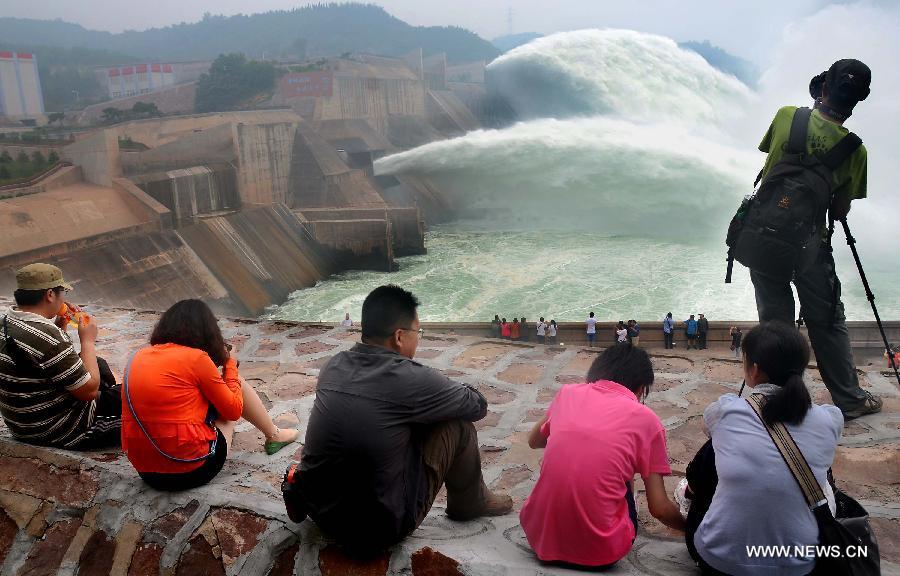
[597, 436]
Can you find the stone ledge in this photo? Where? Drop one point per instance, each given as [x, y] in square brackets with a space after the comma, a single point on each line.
[63, 512]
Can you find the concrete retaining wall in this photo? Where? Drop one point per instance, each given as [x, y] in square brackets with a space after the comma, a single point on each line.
[361, 244]
[407, 227]
[449, 114]
[260, 256]
[155, 132]
[98, 157]
[67, 219]
[62, 176]
[175, 100]
[205, 146]
[373, 99]
[142, 201]
[152, 270]
[863, 335]
[193, 191]
[264, 161]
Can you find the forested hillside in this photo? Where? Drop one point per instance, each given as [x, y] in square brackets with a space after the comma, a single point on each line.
[317, 30]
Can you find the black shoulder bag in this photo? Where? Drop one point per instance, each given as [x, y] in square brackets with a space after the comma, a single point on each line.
[849, 545]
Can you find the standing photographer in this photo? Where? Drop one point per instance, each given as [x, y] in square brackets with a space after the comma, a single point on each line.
[836, 91]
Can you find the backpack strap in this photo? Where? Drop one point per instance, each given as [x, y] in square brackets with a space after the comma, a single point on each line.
[841, 151]
[799, 131]
[794, 459]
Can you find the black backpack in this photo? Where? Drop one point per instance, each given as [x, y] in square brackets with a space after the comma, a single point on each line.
[778, 231]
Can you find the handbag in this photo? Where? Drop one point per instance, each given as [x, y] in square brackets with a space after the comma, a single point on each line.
[210, 419]
[847, 545]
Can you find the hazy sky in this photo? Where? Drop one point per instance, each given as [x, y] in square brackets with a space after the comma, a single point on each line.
[747, 29]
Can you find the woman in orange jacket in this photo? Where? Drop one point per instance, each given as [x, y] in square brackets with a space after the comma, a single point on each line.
[182, 398]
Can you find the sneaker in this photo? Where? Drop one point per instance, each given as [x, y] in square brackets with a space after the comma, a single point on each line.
[870, 405]
[497, 504]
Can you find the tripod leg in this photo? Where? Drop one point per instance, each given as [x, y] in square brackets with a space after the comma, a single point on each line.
[851, 241]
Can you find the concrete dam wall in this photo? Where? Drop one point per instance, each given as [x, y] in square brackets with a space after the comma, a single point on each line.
[260, 256]
[189, 192]
[240, 208]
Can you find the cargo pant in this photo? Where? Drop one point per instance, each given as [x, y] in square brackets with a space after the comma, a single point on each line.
[819, 291]
[452, 458]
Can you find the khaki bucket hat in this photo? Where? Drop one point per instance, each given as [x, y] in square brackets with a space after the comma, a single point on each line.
[40, 277]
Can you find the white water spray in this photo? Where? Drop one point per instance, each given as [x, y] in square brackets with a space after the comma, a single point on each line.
[625, 134]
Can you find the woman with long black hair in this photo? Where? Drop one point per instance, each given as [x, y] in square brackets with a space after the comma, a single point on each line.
[757, 501]
[182, 398]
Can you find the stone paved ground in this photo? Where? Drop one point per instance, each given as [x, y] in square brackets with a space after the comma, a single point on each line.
[64, 513]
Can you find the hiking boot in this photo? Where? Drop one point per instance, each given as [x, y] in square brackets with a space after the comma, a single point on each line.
[497, 504]
[870, 405]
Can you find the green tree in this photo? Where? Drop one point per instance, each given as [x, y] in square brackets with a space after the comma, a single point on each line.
[4, 173]
[231, 80]
[112, 115]
[5, 158]
[56, 117]
[38, 158]
[53, 157]
[22, 158]
[145, 109]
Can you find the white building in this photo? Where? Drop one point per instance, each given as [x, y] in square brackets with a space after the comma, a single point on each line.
[20, 86]
[125, 81]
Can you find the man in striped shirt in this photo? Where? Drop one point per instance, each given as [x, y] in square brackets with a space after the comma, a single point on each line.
[49, 394]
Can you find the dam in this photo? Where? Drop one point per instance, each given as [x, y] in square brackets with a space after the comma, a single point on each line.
[282, 220]
[241, 209]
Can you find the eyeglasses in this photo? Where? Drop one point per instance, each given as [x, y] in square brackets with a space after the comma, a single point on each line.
[420, 331]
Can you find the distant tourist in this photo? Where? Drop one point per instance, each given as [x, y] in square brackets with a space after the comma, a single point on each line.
[597, 437]
[347, 321]
[551, 332]
[541, 329]
[505, 329]
[669, 331]
[634, 333]
[523, 328]
[514, 330]
[182, 398]
[495, 326]
[621, 332]
[736, 337]
[690, 330]
[702, 330]
[895, 352]
[591, 325]
[386, 433]
[49, 394]
[755, 498]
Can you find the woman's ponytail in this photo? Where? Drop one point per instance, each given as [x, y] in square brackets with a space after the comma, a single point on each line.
[782, 353]
[790, 404]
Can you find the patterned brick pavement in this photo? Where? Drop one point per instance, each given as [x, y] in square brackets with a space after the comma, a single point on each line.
[64, 512]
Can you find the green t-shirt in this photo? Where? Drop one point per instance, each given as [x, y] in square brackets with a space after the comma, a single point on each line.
[849, 178]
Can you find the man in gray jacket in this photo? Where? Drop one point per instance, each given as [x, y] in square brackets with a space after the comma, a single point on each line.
[386, 432]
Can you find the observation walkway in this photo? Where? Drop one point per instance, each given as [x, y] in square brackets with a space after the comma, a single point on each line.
[88, 513]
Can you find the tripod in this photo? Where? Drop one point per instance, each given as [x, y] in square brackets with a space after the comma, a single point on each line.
[851, 241]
